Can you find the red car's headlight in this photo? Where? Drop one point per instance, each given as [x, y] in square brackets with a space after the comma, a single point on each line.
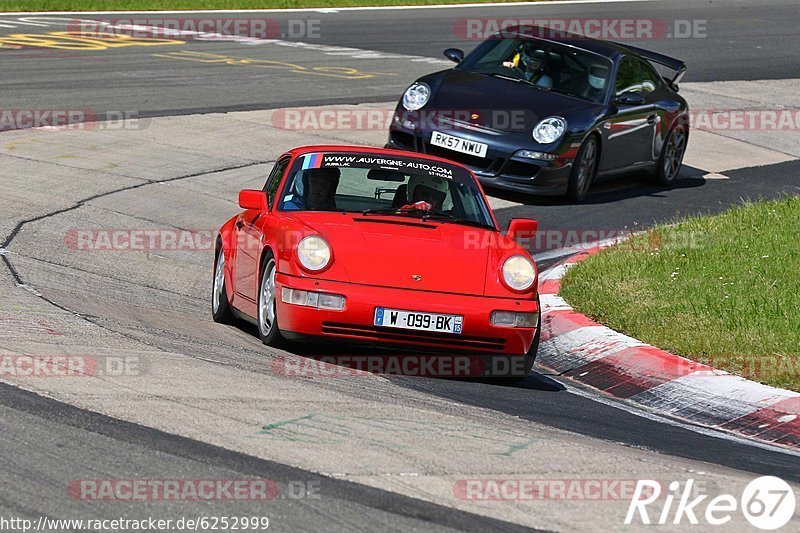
[313, 253]
[518, 273]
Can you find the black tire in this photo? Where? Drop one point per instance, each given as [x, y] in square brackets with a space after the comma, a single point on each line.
[584, 170]
[268, 329]
[220, 305]
[671, 158]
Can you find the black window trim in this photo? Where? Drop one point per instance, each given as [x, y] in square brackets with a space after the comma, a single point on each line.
[275, 175]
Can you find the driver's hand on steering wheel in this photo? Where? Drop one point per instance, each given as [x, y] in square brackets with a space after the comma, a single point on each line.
[417, 206]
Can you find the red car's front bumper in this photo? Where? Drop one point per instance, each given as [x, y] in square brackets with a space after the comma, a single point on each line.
[355, 323]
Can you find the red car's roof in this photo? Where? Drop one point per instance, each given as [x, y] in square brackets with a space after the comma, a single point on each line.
[371, 150]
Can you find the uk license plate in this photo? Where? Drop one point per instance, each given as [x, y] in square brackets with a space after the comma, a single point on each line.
[398, 318]
[458, 144]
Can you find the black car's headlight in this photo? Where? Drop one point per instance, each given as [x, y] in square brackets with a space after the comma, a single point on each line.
[416, 96]
[549, 130]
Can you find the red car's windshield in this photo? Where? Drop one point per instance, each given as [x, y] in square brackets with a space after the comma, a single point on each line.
[369, 183]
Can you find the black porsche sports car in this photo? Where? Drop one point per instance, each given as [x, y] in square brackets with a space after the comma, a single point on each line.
[547, 112]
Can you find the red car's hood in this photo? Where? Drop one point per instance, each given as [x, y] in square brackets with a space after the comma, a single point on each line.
[391, 251]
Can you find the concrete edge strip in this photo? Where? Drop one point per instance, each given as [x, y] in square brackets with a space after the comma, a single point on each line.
[576, 347]
[529, 3]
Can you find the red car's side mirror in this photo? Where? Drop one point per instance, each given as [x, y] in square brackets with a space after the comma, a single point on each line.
[522, 228]
[253, 199]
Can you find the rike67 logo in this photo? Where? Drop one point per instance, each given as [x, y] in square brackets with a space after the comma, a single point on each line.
[767, 503]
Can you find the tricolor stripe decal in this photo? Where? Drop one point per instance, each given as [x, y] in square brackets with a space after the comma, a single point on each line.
[312, 161]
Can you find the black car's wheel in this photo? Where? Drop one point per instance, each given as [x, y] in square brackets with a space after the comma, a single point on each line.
[584, 169]
[268, 329]
[220, 307]
[671, 159]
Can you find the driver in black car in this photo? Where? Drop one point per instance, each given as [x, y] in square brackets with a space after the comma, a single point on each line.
[530, 61]
[596, 82]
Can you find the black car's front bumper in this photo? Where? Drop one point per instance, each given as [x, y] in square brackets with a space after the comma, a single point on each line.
[500, 168]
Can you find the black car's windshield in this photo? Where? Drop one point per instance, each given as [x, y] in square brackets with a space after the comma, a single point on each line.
[544, 65]
[372, 184]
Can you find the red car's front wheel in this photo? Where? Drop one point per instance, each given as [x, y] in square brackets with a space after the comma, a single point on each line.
[220, 307]
[268, 329]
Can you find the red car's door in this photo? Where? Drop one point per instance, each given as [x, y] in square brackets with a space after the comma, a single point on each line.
[245, 272]
[249, 243]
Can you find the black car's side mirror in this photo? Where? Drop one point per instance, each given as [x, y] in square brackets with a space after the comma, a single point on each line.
[455, 55]
[629, 98]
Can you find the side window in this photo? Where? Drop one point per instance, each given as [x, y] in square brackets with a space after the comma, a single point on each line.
[271, 187]
[650, 78]
[628, 77]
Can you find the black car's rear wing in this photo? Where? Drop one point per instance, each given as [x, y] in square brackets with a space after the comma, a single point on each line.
[670, 62]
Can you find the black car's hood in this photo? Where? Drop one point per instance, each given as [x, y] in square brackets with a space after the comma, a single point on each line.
[517, 105]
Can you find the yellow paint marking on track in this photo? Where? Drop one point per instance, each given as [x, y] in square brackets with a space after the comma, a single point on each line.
[64, 40]
[69, 153]
[333, 72]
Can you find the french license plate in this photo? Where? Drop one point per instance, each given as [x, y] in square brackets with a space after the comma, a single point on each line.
[458, 144]
[397, 318]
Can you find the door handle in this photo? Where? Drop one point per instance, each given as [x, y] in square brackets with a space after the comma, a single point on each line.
[651, 119]
[239, 224]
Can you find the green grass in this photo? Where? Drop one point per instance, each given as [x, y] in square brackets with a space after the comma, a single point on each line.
[722, 290]
[153, 5]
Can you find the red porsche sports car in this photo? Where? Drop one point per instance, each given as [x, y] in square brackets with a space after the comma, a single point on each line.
[377, 246]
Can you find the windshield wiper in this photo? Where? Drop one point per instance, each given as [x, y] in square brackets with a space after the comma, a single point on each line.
[425, 215]
[562, 91]
[441, 215]
[511, 78]
[393, 211]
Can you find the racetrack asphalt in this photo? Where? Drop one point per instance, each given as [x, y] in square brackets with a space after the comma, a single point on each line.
[160, 83]
[737, 40]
